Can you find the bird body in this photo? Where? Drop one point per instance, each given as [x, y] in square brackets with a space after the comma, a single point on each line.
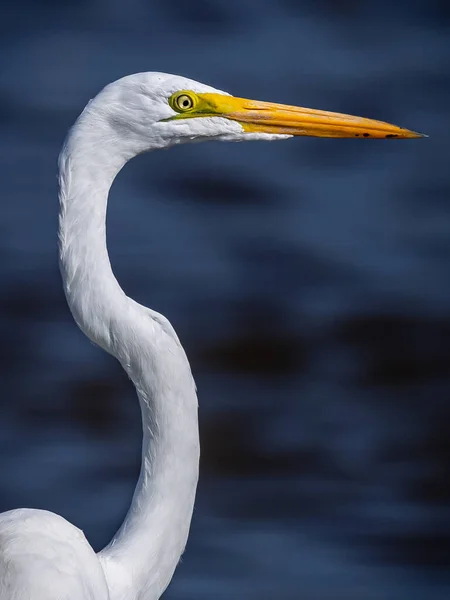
[42, 556]
[45, 556]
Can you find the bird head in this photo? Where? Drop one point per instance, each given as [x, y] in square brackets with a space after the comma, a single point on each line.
[155, 110]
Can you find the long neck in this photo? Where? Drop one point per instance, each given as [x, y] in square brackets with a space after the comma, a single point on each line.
[140, 560]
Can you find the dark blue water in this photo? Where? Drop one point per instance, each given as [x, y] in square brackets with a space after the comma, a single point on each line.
[308, 280]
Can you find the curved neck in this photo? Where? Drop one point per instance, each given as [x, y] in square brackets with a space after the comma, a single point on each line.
[140, 560]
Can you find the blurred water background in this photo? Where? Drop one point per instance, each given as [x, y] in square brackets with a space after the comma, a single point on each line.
[308, 280]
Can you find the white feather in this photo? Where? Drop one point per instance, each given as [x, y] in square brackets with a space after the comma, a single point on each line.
[42, 556]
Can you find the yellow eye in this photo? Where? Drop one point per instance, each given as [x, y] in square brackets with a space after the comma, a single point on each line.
[183, 101]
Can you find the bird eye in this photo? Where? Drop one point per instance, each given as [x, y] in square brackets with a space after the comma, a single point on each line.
[182, 101]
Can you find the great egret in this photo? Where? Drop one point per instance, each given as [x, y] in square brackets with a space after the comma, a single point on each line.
[42, 556]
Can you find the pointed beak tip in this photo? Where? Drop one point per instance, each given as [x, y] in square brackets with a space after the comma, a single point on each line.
[417, 134]
[406, 134]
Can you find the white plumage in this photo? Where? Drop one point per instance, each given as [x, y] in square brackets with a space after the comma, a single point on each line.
[42, 556]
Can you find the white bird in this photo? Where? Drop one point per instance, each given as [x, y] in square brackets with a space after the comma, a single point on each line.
[42, 556]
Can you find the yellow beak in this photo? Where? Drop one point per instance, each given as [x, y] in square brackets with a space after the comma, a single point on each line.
[267, 117]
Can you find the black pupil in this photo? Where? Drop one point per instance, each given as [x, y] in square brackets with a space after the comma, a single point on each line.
[185, 102]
